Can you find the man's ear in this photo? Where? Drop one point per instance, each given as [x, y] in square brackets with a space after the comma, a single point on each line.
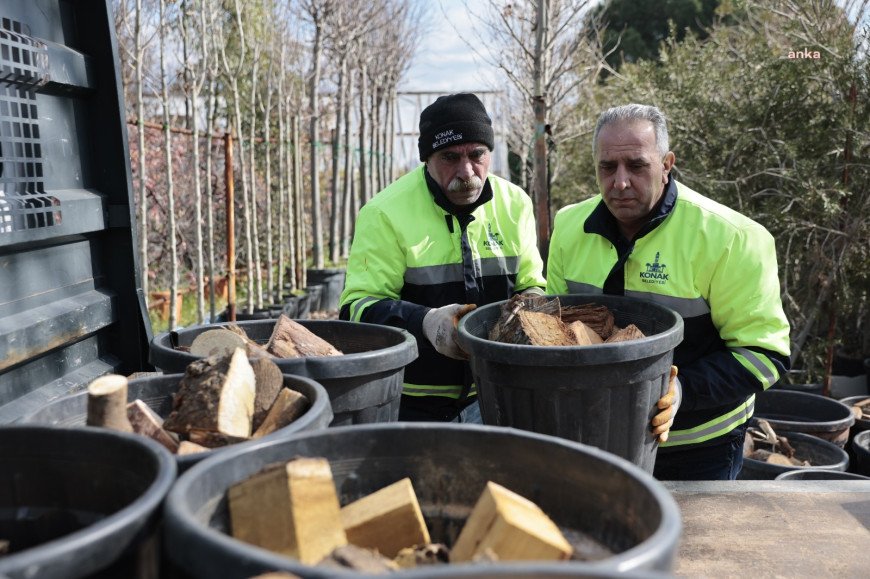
[667, 164]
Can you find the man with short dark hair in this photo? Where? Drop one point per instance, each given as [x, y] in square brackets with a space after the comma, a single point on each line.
[440, 240]
[650, 237]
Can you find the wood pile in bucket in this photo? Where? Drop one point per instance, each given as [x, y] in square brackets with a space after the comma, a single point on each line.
[543, 321]
[762, 443]
[234, 393]
[293, 509]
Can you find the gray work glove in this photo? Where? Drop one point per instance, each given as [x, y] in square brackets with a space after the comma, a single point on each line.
[667, 406]
[439, 327]
[533, 291]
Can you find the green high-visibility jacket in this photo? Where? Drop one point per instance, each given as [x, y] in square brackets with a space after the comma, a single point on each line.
[716, 268]
[410, 255]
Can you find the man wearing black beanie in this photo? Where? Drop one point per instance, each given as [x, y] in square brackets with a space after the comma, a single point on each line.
[436, 243]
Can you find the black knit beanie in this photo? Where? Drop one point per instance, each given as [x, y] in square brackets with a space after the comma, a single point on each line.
[451, 120]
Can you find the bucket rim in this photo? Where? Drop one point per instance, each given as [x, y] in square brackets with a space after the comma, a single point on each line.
[597, 354]
[320, 410]
[392, 357]
[181, 517]
[125, 522]
[812, 399]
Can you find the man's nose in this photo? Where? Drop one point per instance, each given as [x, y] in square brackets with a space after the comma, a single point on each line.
[465, 169]
[621, 179]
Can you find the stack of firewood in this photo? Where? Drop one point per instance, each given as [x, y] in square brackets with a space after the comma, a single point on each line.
[383, 531]
[762, 443]
[235, 393]
[543, 321]
[861, 409]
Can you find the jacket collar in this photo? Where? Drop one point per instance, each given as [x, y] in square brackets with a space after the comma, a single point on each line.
[602, 221]
[444, 203]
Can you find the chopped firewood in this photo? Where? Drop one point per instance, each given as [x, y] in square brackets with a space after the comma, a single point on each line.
[486, 556]
[216, 342]
[212, 439]
[292, 340]
[583, 334]
[544, 329]
[508, 329]
[216, 394]
[863, 403]
[513, 527]
[597, 317]
[107, 403]
[358, 559]
[429, 554]
[288, 406]
[290, 508]
[186, 447]
[253, 348]
[269, 382]
[630, 332]
[148, 423]
[388, 520]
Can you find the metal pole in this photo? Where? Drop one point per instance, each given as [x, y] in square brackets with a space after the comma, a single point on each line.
[231, 228]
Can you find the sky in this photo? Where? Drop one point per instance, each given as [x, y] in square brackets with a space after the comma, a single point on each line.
[445, 64]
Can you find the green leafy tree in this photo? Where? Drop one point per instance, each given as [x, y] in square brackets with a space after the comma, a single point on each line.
[783, 139]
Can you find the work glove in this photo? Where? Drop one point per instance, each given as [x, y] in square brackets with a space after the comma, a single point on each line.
[667, 406]
[439, 327]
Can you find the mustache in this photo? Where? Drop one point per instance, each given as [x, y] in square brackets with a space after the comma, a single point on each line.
[459, 186]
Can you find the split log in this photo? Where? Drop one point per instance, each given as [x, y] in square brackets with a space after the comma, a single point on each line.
[513, 527]
[598, 317]
[583, 334]
[388, 520]
[148, 423]
[216, 342]
[186, 447]
[544, 329]
[288, 406]
[211, 439]
[508, 329]
[216, 394]
[291, 509]
[269, 382]
[107, 403]
[292, 340]
[630, 332]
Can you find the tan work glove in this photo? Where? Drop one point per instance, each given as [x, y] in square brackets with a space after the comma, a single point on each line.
[668, 406]
[439, 327]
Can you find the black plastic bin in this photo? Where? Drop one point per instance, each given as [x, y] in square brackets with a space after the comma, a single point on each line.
[861, 450]
[603, 395]
[820, 474]
[823, 455]
[157, 392]
[629, 517]
[364, 385]
[820, 416]
[332, 282]
[80, 502]
[315, 293]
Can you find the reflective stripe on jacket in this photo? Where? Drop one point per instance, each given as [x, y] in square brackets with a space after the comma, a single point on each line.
[716, 268]
[410, 255]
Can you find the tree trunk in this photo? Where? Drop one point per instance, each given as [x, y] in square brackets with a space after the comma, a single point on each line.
[363, 135]
[209, 205]
[541, 182]
[257, 272]
[170, 192]
[300, 207]
[316, 218]
[336, 216]
[282, 175]
[349, 209]
[267, 135]
[143, 193]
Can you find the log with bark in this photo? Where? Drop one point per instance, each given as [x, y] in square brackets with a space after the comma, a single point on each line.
[292, 340]
[216, 395]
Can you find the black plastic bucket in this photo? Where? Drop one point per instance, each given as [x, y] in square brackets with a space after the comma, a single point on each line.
[587, 492]
[861, 450]
[364, 385]
[157, 392]
[80, 502]
[820, 474]
[805, 388]
[332, 281]
[819, 416]
[257, 314]
[603, 395]
[303, 307]
[823, 455]
[315, 293]
[291, 306]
